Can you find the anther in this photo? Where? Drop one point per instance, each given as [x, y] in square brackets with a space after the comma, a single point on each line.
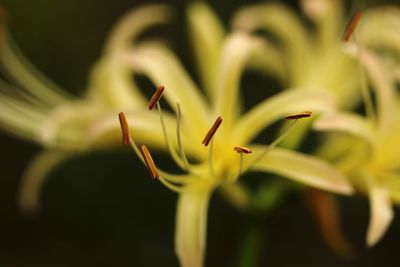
[351, 26]
[125, 128]
[242, 150]
[212, 131]
[299, 115]
[149, 162]
[156, 97]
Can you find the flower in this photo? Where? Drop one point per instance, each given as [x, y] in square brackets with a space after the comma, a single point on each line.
[304, 56]
[37, 110]
[370, 160]
[66, 125]
[218, 166]
[320, 58]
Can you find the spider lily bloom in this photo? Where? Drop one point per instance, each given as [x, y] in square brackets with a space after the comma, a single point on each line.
[218, 116]
[371, 160]
[309, 58]
[317, 57]
[35, 109]
[67, 125]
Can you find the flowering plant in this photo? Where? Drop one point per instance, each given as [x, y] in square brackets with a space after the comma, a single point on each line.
[326, 78]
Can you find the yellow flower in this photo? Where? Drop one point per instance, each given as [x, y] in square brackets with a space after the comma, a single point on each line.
[372, 161]
[304, 56]
[218, 166]
[65, 125]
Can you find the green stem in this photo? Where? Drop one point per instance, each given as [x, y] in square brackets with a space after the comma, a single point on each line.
[252, 245]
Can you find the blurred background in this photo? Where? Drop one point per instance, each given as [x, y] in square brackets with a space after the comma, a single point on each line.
[99, 209]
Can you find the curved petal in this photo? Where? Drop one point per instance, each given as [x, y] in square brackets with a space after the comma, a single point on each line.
[206, 33]
[236, 52]
[269, 59]
[111, 78]
[20, 70]
[346, 122]
[302, 168]
[385, 89]
[380, 28]
[33, 178]
[20, 118]
[277, 107]
[134, 23]
[191, 225]
[381, 214]
[162, 67]
[283, 23]
[327, 16]
[111, 83]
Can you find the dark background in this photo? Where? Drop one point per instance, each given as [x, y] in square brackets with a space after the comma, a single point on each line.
[99, 209]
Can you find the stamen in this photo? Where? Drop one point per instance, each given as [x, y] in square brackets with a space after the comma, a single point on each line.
[145, 156]
[126, 137]
[171, 150]
[212, 131]
[351, 26]
[241, 150]
[294, 118]
[178, 136]
[209, 138]
[154, 101]
[300, 115]
[156, 97]
[125, 128]
[149, 162]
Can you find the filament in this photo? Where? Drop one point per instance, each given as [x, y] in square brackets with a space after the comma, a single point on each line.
[210, 156]
[171, 150]
[241, 150]
[178, 137]
[279, 139]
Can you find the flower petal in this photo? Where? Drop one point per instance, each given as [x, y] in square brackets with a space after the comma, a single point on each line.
[206, 33]
[277, 107]
[134, 23]
[346, 122]
[112, 83]
[380, 27]
[191, 225]
[163, 68]
[33, 178]
[18, 117]
[236, 51]
[381, 214]
[385, 89]
[281, 22]
[28, 77]
[302, 168]
[111, 78]
[327, 16]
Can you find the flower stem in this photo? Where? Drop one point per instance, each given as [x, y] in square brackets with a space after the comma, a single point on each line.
[252, 245]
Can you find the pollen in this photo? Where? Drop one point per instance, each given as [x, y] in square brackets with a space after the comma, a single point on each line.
[212, 131]
[156, 97]
[125, 128]
[242, 150]
[149, 162]
[351, 26]
[300, 115]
